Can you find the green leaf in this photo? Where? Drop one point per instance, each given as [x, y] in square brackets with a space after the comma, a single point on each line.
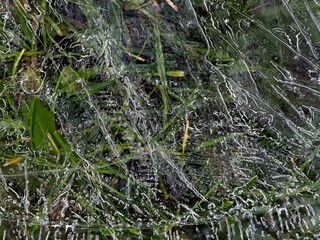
[70, 81]
[250, 183]
[227, 204]
[133, 230]
[67, 80]
[41, 123]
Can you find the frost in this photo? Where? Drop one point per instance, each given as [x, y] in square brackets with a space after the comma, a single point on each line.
[201, 123]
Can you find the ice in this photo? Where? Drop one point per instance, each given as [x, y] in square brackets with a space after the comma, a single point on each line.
[201, 123]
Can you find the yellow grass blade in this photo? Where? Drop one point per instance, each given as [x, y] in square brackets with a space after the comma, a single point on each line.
[176, 73]
[171, 4]
[185, 136]
[12, 161]
[16, 63]
[54, 146]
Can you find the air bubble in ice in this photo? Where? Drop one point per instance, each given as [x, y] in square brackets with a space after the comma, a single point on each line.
[211, 206]
[27, 7]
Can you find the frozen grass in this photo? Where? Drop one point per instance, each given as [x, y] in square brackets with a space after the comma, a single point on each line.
[154, 123]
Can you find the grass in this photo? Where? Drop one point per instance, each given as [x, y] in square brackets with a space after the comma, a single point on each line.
[140, 123]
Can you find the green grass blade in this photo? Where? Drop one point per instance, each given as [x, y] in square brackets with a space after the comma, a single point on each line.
[161, 70]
